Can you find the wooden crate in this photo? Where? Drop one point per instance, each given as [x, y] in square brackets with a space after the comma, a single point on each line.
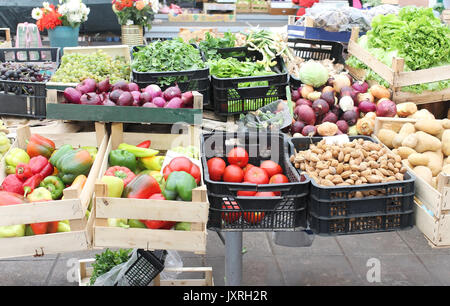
[243, 7]
[85, 272]
[201, 17]
[282, 11]
[73, 207]
[437, 201]
[195, 212]
[56, 109]
[261, 7]
[7, 43]
[397, 77]
[208, 7]
[446, 16]
[117, 50]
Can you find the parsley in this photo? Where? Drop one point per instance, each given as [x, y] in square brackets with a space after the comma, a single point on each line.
[107, 260]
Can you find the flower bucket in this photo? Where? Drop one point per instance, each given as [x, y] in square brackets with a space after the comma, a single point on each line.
[63, 36]
[132, 35]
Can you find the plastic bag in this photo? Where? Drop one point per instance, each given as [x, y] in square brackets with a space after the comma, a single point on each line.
[173, 260]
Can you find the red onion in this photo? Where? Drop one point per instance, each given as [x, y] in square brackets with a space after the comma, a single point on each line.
[295, 95]
[386, 108]
[350, 116]
[320, 107]
[342, 126]
[187, 98]
[133, 87]
[309, 130]
[149, 104]
[174, 103]
[297, 127]
[360, 87]
[90, 98]
[88, 85]
[145, 97]
[302, 101]
[72, 95]
[136, 95]
[306, 114]
[172, 92]
[159, 101]
[103, 86]
[108, 102]
[367, 106]
[125, 99]
[328, 96]
[330, 117]
[123, 85]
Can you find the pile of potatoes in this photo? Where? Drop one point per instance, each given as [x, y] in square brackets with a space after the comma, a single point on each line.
[424, 146]
[358, 162]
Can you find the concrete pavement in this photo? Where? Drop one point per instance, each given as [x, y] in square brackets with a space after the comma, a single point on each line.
[404, 258]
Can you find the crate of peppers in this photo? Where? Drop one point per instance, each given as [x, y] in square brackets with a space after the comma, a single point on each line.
[52, 176]
[149, 193]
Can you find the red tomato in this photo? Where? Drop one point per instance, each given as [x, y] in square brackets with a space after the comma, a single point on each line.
[216, 168]
[256, 175]
[242, 193]
[233, 174]
[247, 167]
[278, 179]
[265, 194]
[271, 167]
[253, 217]
[230, 215]
[238, 156]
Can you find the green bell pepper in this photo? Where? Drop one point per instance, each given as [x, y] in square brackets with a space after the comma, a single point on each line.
[183, 226]
[179, 184]
[137, 151]
[54, 185]
[15, 157]
[58, 154]
[73, 164]
[123, 158]
[92, 150]
[63, 227]
[136, 223]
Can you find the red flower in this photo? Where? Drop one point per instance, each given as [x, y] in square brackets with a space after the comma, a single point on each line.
[49, 20]
[119, 6]
[127, 3]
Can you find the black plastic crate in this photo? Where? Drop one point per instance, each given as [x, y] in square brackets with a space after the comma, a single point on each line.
[146, 267]
[189, 80]
[284, 212]
[230, 98]
[26, 99]
[337, 202]
[361, 224]
[317, 50]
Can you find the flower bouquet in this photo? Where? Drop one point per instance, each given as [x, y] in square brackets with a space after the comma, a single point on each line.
[62, 22]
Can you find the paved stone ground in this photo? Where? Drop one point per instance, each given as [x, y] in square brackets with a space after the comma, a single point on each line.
[405, 257]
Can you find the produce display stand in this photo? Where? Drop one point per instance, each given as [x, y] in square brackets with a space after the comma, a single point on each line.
[310, 32]
[57, 109]
[432, 206]
[73, 207]
[195, 212]
[85, 272]
[397, 77]
[25, 99]
[113, 51]
[7, 42]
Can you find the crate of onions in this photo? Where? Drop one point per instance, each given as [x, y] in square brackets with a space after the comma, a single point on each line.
[124, 102]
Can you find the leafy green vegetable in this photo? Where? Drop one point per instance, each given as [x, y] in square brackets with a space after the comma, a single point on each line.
[232, 68]
[168, 55]
[210, 44]
[107, 260]
[415, 35]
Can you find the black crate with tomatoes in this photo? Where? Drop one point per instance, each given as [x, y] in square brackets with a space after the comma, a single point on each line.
[252, 186]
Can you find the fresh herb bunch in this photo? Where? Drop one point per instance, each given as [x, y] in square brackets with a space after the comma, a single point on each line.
[415, 35]
[107, 260]
[168, 55]
[210, 44]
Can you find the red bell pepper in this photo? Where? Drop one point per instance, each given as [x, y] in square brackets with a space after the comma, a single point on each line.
[155, 224]
[31, 183]
[182, 164]
[40, 165]
[38, 145]
[39, 228]
[23, 171]
[157, 196]
[13, 184]
[121, 172]
[145, 144]
[52, 227]
[142, 186]
[9, 198]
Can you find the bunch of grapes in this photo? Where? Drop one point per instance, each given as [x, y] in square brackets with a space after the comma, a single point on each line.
[75, 67]
[23, 72]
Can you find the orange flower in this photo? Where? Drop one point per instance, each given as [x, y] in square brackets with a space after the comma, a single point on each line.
[140, 5]
[127, 3]
[118, 5]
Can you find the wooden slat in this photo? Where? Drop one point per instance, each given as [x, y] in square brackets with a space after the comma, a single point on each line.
[422, 98]
[189, 241]
[423, 76]
[179, 211]
[369, 60]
